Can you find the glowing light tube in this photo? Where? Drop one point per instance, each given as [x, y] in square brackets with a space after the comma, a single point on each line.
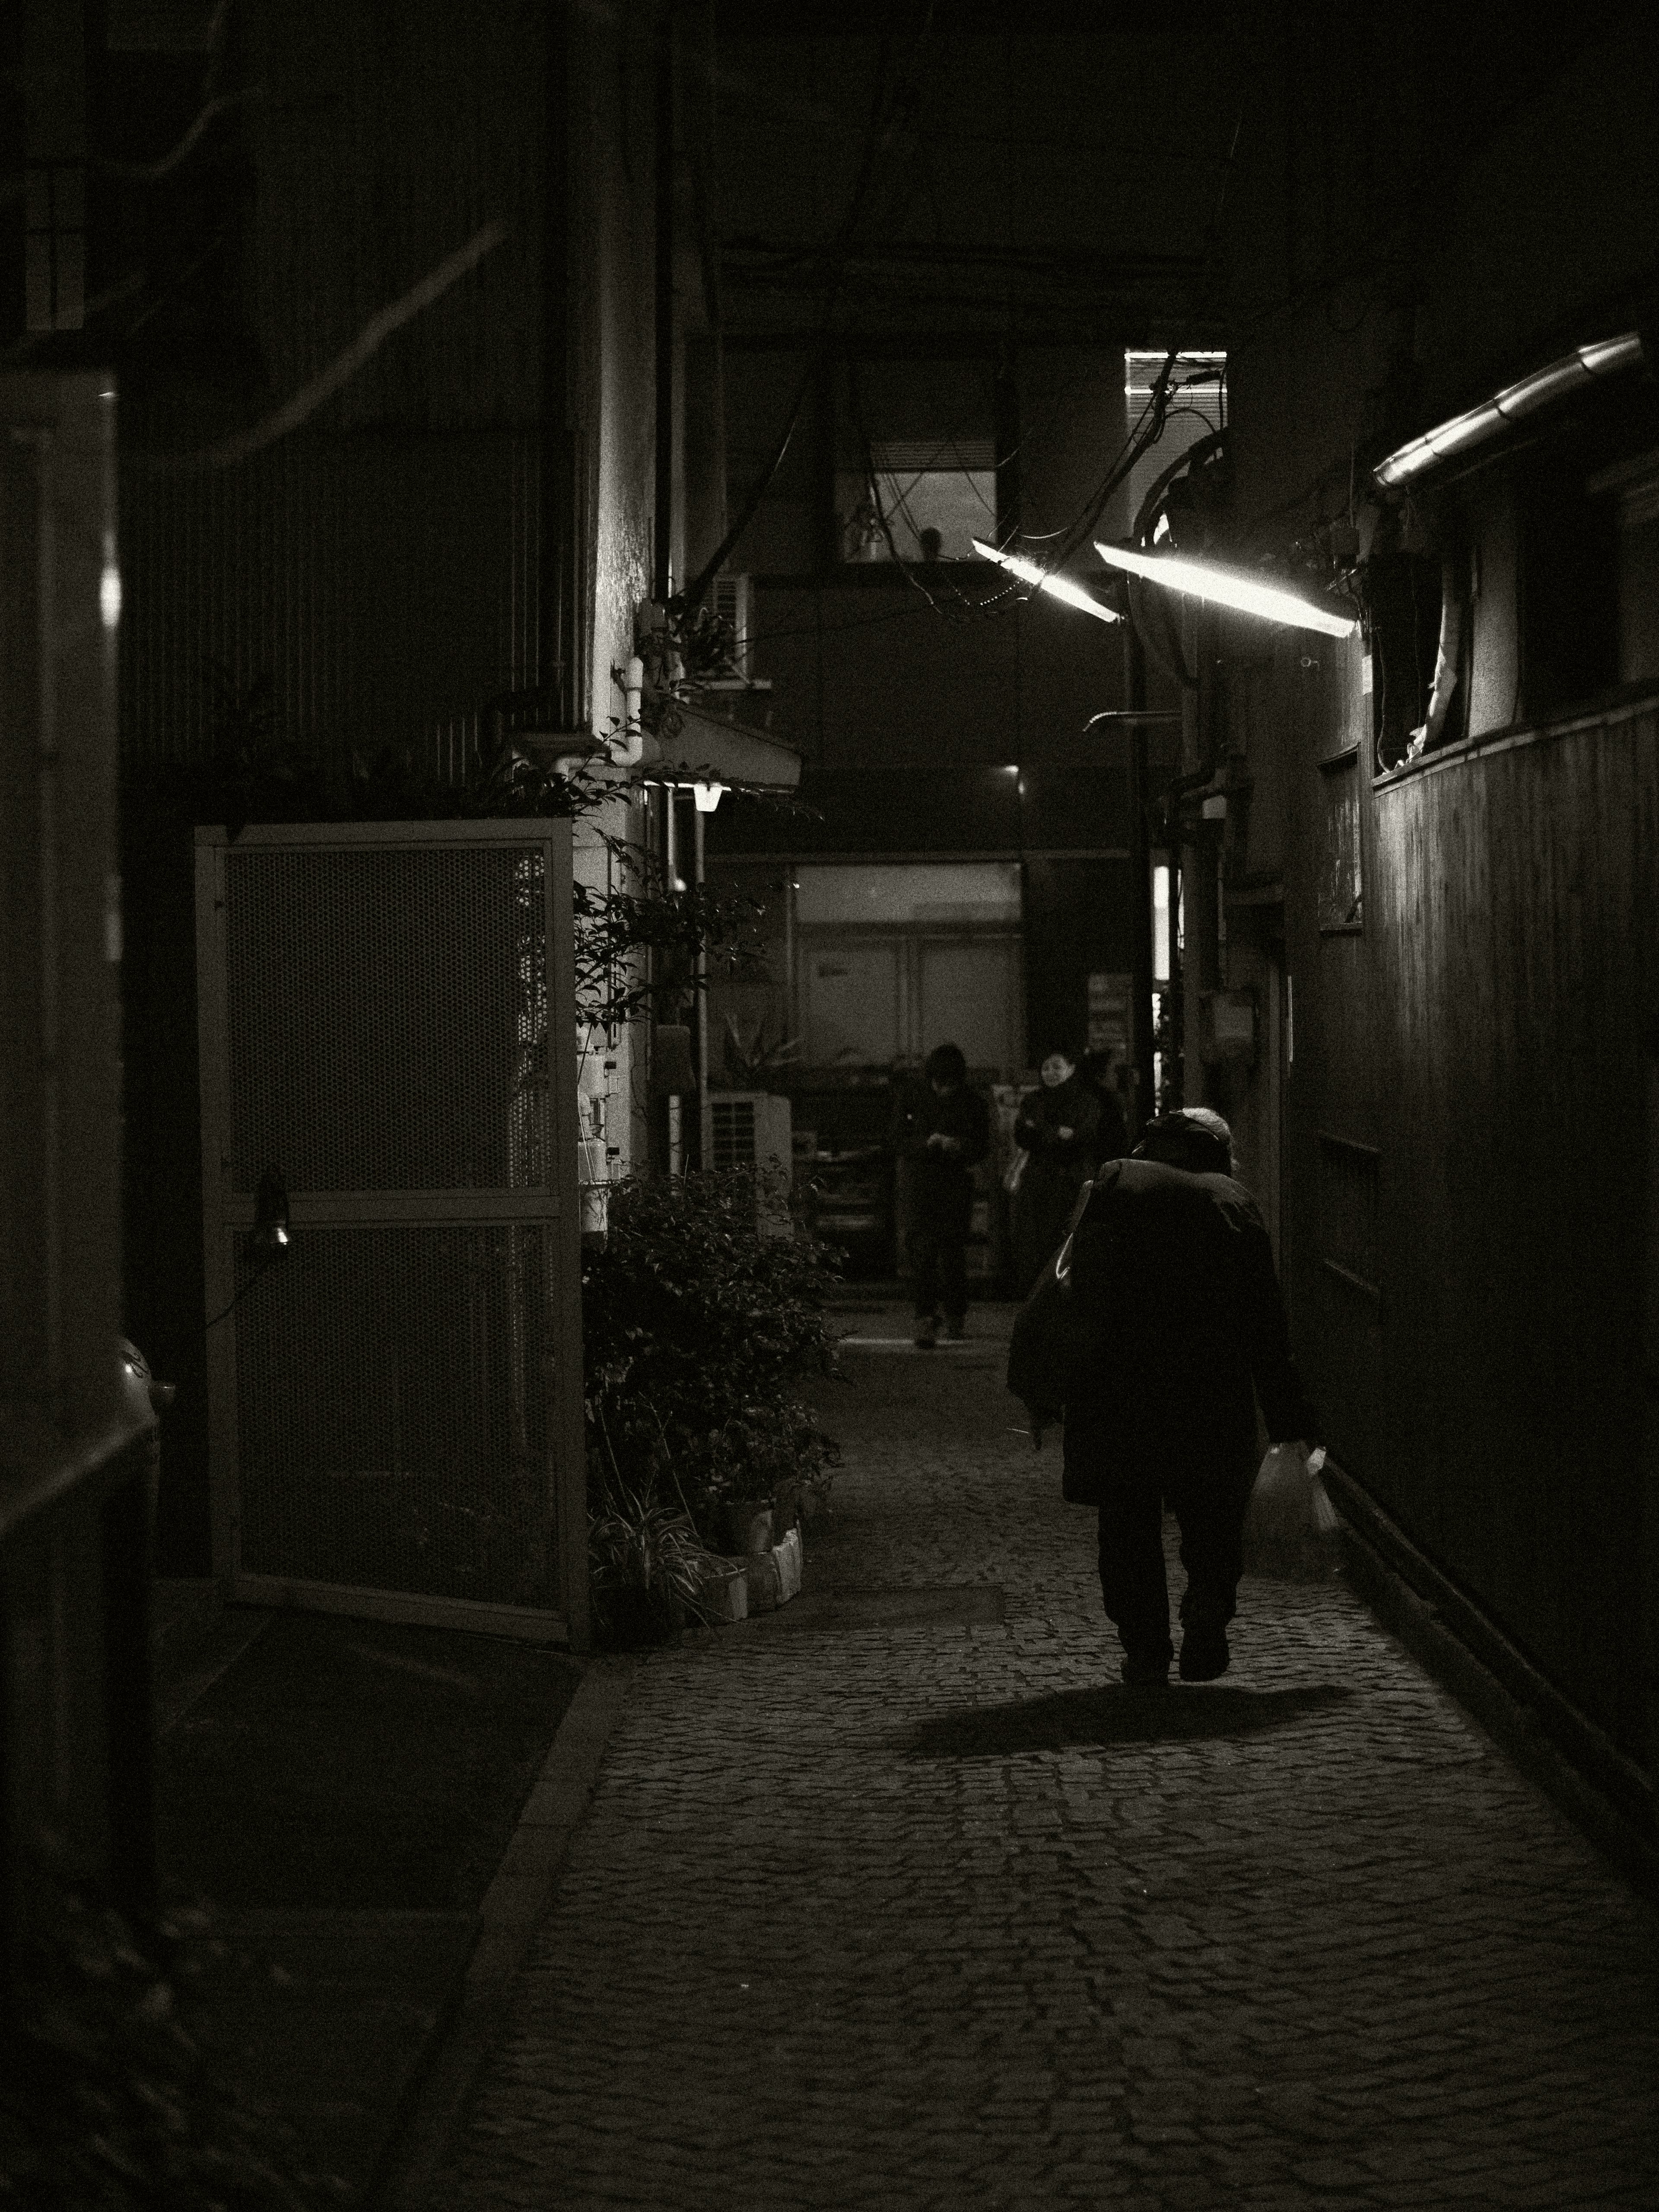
[1202, 580]
[1057, 587]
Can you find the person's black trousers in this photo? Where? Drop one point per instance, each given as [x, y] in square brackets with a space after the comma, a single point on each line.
[940, 1259]
[1208, 1499]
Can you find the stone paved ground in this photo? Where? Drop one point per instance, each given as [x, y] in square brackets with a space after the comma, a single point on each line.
[902, 1901]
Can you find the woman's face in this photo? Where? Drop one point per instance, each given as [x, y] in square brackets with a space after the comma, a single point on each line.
[1056, 1070]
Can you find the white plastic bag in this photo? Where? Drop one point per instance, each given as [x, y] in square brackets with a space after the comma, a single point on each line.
[1290, 1528]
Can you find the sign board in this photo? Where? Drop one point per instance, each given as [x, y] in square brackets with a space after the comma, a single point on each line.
[1111, 1016]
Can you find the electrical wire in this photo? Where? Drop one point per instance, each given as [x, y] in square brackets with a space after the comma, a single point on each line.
[878, 132]
[906, 569]
[258, 1276]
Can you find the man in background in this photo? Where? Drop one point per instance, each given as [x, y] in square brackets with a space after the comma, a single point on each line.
[943, 1134]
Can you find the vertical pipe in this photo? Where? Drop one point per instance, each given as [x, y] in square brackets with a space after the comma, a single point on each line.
[1205, 1085]
[1143, 1105]
[662, 574]
[791, 994]
[559, 582]
[703, 980]
[1647, 1508]
[51, 894]
[671, 859]
[126, 1546]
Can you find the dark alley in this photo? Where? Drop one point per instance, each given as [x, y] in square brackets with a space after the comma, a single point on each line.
[827, 827]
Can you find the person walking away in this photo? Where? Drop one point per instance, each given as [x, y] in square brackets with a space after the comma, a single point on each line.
[1112, 1137]
[1057, 1125]
[943, 1134]
[1172, 1276]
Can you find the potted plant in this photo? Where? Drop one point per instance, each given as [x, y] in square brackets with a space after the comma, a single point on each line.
[650, 1569]
[697, 1331]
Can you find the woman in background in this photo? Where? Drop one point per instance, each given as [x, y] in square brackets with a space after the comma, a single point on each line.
[1058, 1125]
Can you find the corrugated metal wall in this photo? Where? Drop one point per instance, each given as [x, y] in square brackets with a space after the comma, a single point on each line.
[386, 583]
[382, 565]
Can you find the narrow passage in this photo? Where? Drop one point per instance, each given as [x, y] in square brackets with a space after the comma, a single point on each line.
[897, 1898]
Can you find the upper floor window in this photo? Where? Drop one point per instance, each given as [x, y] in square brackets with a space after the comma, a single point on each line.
[930, 499]
[916, 449]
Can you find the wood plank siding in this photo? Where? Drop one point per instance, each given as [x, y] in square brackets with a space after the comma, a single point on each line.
[1488, 1035]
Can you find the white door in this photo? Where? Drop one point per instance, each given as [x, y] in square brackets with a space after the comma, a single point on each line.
[969, 995]
[853, 1003]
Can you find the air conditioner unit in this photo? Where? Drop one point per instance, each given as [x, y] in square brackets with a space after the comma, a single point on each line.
[732, 605]
[751, 1129]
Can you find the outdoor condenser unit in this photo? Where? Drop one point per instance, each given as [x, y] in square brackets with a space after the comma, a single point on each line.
[749, 1129]
[732, 603]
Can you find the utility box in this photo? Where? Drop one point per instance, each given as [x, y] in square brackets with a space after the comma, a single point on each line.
[750, 1129]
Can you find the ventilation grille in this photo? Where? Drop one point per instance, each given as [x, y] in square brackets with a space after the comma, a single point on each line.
[392, 1401]
[732, 604]
[388, 1018]
[731, 1133]
[928, 456]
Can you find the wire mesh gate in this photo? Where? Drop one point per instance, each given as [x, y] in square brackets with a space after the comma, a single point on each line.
[396, 1404]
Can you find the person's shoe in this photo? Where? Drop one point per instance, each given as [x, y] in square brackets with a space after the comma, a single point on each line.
[954, 1331]
[1204, 1655]
[1143, 1673]
[926, 1333]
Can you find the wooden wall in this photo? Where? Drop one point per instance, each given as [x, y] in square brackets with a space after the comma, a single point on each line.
[1483, 1043]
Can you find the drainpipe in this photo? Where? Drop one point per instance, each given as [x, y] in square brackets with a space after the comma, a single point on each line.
[1447, 655]
[702, 971]
[1141, 863]
[662, 564]
[675, 1102]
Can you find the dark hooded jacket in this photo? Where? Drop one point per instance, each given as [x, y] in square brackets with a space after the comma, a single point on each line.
[1175, 1297]
[942, 1183]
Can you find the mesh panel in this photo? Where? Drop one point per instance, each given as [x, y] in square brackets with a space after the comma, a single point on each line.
[391, 1392]
[387, 1017]
[732, 1131]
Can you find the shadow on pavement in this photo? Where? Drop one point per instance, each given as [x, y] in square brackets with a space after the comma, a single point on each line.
[1188, 1714]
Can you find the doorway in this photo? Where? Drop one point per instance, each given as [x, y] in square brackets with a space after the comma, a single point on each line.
[869, 1000]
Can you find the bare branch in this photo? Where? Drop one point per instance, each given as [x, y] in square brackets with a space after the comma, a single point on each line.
[341, 370]
[150, 172]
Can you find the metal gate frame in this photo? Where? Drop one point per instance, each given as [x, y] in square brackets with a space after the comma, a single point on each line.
[227, 1215]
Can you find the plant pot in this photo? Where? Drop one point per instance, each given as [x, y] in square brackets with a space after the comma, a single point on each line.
[725, 1589]
[749, 1526]
[774, 1574]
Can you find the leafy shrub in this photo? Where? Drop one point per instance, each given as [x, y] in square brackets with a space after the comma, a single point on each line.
[105, 2098]
[698, 1330]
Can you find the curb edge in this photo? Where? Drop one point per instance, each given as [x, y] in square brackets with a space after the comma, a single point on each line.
[512, 1910]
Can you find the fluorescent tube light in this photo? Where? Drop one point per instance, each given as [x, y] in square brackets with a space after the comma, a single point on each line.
[1202, 580]
[1058, 587]
[1574, 372]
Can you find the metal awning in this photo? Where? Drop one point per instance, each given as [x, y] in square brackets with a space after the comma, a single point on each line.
[708, 748]
[1573, 372]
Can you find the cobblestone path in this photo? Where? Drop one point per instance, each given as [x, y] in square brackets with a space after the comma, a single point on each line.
[895, 1898]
